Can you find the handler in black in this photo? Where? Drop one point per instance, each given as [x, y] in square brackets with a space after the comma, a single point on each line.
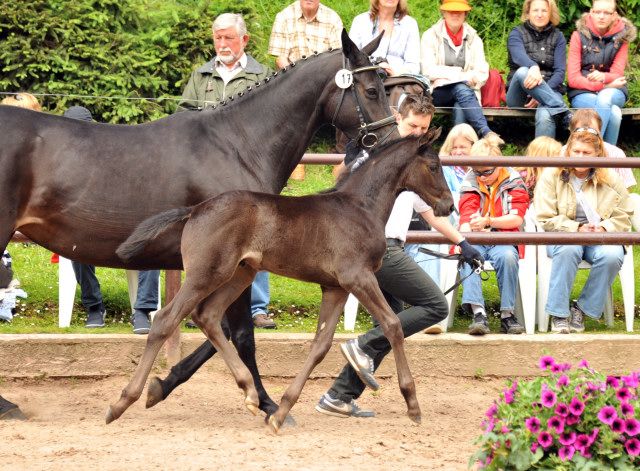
[401, 280]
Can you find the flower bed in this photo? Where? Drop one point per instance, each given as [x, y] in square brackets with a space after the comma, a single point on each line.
[568, 419]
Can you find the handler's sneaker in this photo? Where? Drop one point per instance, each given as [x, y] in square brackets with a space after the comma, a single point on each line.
[480, 325]
[360, 361]
[559, 325]
[141, 323]
[510, 325]
[337, 408]
[576, 319]
[95, 317]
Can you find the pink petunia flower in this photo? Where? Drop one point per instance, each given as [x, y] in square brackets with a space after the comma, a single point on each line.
[633, 446]
[607, 414]
[493, 410]
[617, 425]
[583, 364]
[545, 439]
[632, 427]
[623, 395]
[555, 368]
[567, 439]
[556, 423]
[572, 419]
[576, 406]
[562, 410]
[613, 382]
[582, 441]
[563, 381]
[626, 409]
[534, 447]
[566, 452]
[533, 424]
[631, 381]
[548, 398]
[593, 435]
[546, 363]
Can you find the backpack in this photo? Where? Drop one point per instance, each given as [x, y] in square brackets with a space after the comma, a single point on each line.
[493, 92]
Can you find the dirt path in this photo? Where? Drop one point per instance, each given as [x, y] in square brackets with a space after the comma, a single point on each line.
[204, 425]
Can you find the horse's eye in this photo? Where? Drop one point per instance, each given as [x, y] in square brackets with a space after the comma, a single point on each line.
[372, 93]
[433, 168]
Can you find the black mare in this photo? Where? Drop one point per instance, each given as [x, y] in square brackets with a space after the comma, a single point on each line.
[334, 239]
[80, 189]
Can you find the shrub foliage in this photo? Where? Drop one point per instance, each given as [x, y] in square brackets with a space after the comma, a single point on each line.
[94, 52]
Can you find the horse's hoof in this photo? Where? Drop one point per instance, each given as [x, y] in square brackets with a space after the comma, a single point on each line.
[416, 418]
[252, 406]
[154, 392]
[289, 422]
[274, 424]
[12, 414]
[110, 417]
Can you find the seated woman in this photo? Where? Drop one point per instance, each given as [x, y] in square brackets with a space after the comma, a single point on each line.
[538, 63]
[493, 199]
[597, 58]
[581, 199]
[399, 49]
[542, 146]
[452, 58]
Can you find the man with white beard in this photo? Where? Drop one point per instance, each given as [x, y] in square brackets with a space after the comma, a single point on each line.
[230, 72]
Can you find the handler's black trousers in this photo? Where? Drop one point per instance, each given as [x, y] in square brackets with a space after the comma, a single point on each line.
[402, 281]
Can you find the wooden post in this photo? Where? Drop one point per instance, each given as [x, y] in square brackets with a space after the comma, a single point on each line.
[173, 279]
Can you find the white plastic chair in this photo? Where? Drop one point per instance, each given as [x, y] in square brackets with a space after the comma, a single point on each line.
[350, 311]
[525, 308]
[67, 290]
[627, 282]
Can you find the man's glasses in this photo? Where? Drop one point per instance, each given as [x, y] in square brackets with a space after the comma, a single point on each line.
[484, 173]
[587, 129]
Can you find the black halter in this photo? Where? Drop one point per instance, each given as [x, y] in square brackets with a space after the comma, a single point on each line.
[366, 139]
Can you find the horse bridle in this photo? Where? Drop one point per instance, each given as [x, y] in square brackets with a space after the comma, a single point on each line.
[366, 138]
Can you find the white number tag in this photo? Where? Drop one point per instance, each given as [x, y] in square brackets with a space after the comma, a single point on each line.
[344, 78]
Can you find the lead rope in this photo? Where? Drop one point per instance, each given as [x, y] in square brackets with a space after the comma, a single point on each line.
[479, 267]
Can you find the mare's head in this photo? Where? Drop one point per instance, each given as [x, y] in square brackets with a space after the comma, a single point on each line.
[354, 98]
[423, 173]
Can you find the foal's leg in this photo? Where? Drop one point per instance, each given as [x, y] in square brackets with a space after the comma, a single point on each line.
[208, 317]
[164, 324]
[333, 301]
[368, 293]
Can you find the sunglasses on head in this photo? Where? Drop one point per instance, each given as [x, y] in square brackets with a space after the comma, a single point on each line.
[484, 173]
[587, 129]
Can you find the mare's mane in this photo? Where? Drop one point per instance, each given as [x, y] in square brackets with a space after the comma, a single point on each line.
[256, 87]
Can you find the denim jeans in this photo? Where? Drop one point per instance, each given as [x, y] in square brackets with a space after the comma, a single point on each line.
[462, 95]
[551, 102]
[605, 261]
[504, 259]
[260, 294]
[147, 297]
[401, 281]
[90, 294]
[607, 103]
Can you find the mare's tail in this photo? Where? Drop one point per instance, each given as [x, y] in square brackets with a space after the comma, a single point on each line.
[151, 228]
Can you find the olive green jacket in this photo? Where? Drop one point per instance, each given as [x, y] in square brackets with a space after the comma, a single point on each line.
[555, 202]
[206, 87]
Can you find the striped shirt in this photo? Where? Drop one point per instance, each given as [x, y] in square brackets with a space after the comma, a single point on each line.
[293, 36]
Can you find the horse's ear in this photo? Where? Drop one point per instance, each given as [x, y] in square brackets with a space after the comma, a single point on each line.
[373, 45]
[348, 46]
[430, 137]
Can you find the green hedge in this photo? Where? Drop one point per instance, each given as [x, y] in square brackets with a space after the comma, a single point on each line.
[147, 48]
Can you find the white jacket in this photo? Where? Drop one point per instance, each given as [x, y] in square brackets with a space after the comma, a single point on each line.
[432, 56]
